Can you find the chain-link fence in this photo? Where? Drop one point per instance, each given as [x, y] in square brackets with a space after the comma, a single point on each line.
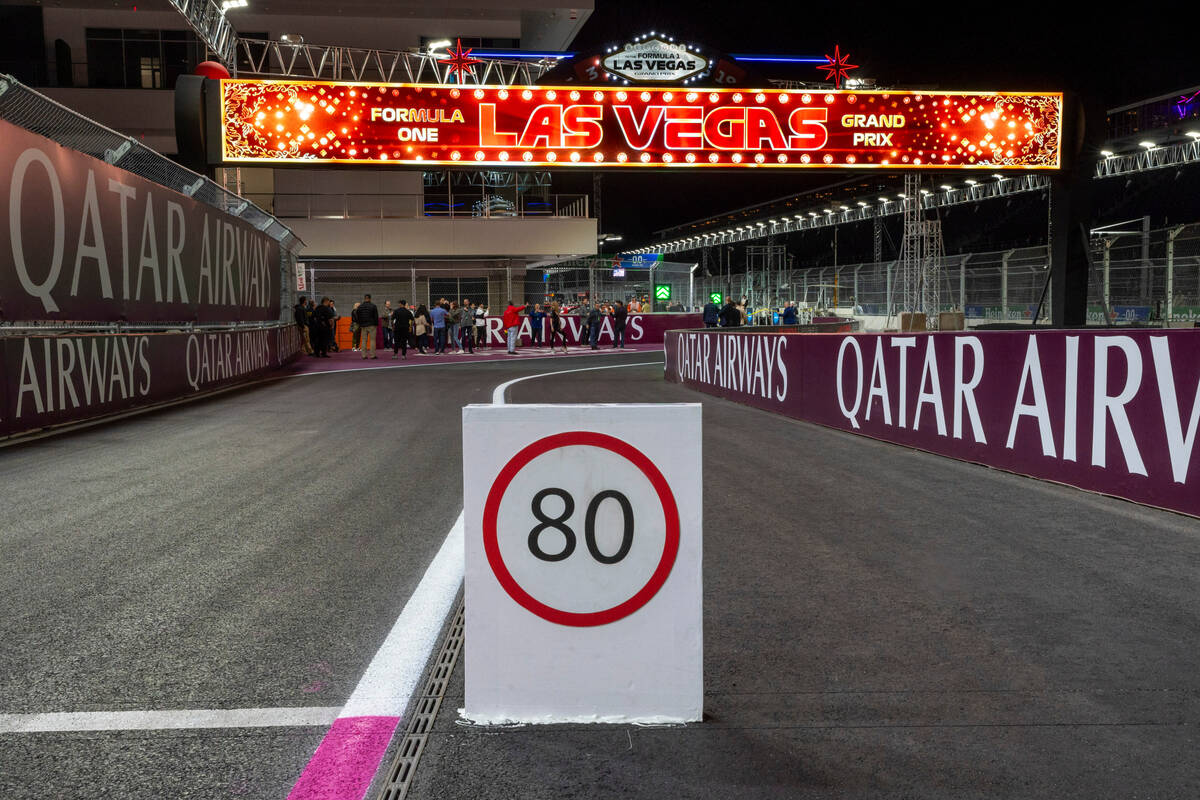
[667, 285]
[1138, 276]
[35, 112]
[1150, 275]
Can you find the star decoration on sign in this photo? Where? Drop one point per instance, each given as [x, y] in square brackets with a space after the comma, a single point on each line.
[460, 60]
[837, 67]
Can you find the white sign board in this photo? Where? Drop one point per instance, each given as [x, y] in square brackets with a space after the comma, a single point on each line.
[583, 552]
[655, 60]
[300, 282]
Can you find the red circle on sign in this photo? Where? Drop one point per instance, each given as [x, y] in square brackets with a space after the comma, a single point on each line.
[491, 544]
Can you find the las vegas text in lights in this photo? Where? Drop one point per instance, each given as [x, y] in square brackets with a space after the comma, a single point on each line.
[636, 127]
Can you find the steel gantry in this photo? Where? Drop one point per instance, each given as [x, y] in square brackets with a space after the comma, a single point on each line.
[1111, 165]
[1150, 157]
[208, 20]
[279, 59]
[864, 209]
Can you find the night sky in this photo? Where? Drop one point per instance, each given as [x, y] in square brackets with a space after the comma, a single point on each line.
[1113, 58]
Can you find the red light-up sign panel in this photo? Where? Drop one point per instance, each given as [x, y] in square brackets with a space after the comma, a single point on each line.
[304, 121]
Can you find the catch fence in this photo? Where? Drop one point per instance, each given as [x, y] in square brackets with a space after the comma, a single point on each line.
[1136, 275]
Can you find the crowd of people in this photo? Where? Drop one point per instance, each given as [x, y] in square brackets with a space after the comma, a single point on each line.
[734, 314]
[448, 326]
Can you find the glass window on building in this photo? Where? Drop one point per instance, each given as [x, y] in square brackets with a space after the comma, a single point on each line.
[476, 42]
[126, 58]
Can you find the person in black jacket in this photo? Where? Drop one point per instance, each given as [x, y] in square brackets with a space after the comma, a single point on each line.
[712, 314]
[402, 322]
[730, 316]
[300, 315]
[619, 314]
[368, 321]
[594, 318]
[322, 327]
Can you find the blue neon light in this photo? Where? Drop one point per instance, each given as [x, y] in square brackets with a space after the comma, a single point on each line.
[782, 59]
[518, 54]
[778, 59]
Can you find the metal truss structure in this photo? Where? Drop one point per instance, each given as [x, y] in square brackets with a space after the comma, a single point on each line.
[921, 252]
[1158, 157]
[1147, 159]
[277, 59]
[210, 24]
[491, 178]
[868, 208]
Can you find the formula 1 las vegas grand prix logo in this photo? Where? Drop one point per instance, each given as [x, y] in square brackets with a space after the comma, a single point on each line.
[636, 126]
[655, 61]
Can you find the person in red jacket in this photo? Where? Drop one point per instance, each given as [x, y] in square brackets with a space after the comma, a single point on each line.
[512, 325]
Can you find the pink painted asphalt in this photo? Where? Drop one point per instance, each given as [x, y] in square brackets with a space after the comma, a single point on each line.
[348, 359]
[346, 760]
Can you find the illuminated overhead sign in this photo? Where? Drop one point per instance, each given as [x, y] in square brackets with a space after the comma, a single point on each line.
[660, 127]
[639, 259]
[655, 61]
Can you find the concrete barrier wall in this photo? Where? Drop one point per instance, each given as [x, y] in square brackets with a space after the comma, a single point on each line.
[54, 380]
[1110, 412]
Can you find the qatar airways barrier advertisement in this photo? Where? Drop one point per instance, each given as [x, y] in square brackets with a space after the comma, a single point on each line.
[1112, 412]
[84, 240]
[408, 124]
[50, 380]
[639, 328]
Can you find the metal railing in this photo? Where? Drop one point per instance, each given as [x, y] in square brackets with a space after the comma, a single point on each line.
[431, 203]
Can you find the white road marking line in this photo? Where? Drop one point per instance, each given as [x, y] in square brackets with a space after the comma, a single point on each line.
[384, 689]
[498, 392]
[392, 676]
[73, 721]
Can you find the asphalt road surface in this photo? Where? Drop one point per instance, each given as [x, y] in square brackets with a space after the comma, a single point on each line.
[879, 622]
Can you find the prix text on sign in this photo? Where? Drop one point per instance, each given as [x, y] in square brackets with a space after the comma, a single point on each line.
[285, 121]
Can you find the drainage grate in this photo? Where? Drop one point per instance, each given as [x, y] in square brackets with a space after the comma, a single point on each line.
[424, 713]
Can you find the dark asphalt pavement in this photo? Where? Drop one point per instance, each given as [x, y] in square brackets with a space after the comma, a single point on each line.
[879, 622]
[885, 623]
[249, 551]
